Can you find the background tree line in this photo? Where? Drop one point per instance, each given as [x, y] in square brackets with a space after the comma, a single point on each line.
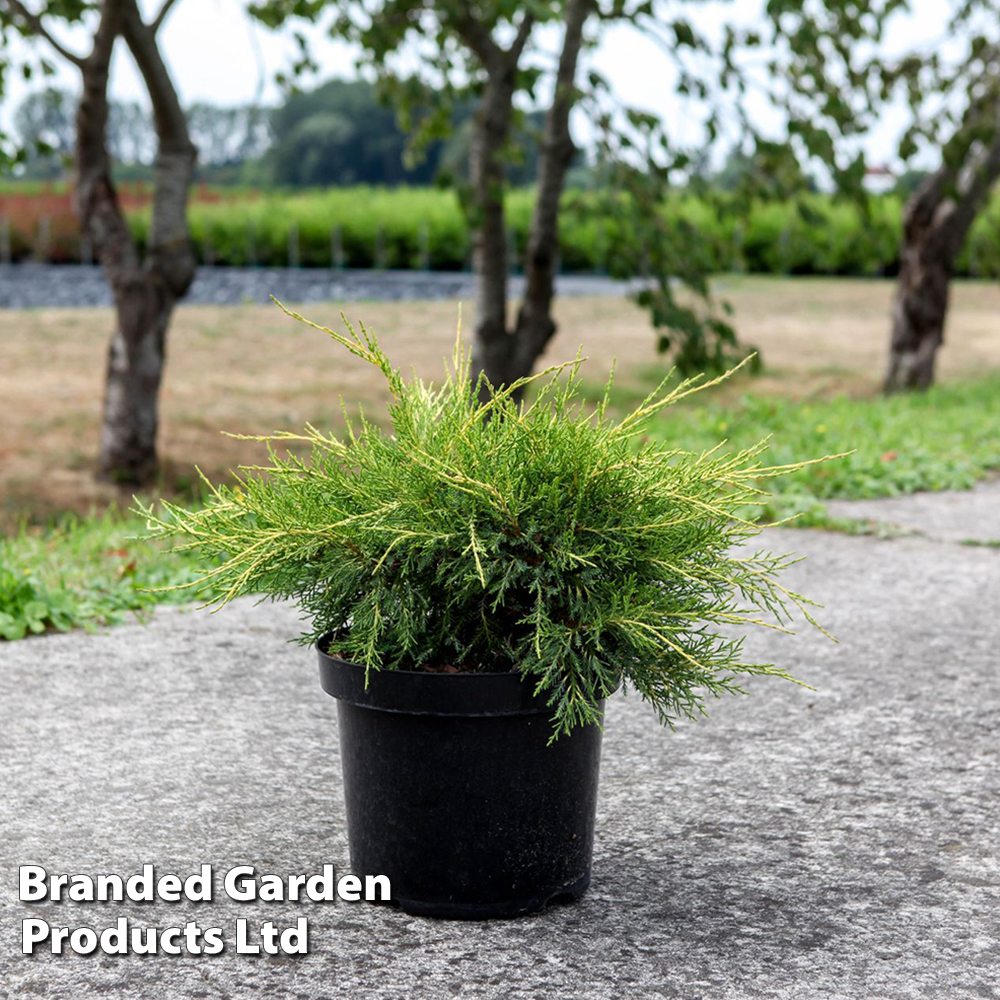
[336, 134]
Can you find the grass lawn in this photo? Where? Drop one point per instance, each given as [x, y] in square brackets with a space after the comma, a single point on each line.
[250, 370]
[84, 572]
[944, 439]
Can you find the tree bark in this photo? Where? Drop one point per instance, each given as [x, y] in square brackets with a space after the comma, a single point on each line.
[145, 293]
[492, 345]
[922, 291]
[136, 356]
[936, 222]
[128, 430]
[501, 353]
[535, 325]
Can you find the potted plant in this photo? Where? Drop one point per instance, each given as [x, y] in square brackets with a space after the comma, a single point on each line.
[477, 579]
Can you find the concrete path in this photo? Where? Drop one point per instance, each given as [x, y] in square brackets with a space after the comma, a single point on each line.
[968, 516]
[837, 843]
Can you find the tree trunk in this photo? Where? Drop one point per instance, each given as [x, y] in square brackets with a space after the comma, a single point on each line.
[936, 222]
[127, 453]
[919, 312]
[492, 345]
[535, 326]
[144, 293]
[135, 369]
[505, 355]
[142, 306]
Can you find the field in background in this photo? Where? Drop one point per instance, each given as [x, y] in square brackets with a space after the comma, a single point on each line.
[424, 228]
[251, 370]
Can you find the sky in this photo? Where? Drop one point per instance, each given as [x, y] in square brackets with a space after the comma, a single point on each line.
[218, 54]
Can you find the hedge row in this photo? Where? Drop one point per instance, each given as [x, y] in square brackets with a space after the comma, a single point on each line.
[424, 227]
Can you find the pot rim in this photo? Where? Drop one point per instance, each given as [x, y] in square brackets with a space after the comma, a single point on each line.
[419, 692]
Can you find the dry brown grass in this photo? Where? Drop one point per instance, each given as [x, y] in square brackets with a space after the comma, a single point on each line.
[251, 370]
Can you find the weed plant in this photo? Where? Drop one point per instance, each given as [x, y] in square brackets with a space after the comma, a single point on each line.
[83, 573]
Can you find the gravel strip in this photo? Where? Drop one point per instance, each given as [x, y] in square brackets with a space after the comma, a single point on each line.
[32, 286]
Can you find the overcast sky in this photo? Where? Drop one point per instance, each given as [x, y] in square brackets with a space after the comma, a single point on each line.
[217, 54]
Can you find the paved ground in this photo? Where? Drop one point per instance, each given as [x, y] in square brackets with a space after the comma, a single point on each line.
[29, 286]
[933, 514]
[798, 845]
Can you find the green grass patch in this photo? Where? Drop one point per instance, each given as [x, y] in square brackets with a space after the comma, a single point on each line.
[943, 439]
[84, 573]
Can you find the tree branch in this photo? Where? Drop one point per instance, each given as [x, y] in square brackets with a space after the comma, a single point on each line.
[974, 184]
[34, 24]
[951, 197]
[106, 33]
[169, 247]
[477, 36]
[171, 122]
[535, 326]
[521, 39]
[154, 26]
[480, 39]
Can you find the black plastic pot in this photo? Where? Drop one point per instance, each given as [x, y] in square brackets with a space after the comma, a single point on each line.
[454, 794]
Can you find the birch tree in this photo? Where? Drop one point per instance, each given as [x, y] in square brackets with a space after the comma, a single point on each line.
[145, 289]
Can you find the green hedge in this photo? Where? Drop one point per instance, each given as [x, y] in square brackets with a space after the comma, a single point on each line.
[409, 227]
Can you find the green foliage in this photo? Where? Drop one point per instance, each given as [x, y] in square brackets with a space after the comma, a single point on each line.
[26, 607]
[82, 573]
[17, 19]
[543, 538]
[653, 238]
[488, 52]
[233, 226]
[45, 127]
[339, 133]
[944, 439]
[257, 229]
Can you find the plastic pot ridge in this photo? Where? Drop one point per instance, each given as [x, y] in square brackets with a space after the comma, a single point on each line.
[453, 792]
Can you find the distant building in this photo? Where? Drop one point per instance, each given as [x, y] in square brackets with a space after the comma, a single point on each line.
[879, 180]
